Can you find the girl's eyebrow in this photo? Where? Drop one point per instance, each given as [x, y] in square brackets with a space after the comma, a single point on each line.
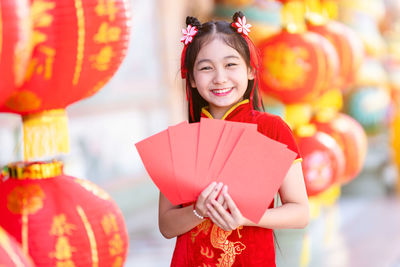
[208, 60]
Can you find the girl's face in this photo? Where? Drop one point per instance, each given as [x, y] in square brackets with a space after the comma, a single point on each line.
[221, 76]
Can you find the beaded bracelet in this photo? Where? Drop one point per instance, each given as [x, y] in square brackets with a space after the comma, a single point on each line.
[195, 213]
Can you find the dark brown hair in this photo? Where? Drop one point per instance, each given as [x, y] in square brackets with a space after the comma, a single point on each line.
[206, 32]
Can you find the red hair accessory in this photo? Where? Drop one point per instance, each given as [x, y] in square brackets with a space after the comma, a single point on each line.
[188, 34]
[187, 38]
[242, 26]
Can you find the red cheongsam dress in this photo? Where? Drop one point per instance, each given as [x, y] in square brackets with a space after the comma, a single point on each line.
[207, 245]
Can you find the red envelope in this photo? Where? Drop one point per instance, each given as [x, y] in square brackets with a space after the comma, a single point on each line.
[229, 138]
[209, 137]
[251, 164]
[184, 139]
[155, 153]
[254, 172]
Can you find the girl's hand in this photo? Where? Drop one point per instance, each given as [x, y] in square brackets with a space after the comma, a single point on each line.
[206, 196]
[219, 214]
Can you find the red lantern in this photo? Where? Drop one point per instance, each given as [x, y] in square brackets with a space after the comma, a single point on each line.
[77, 47]
[297, 67]
[15, 33]
[348, 45]
[323, 160]
[11, 254]
[61, 220]
[351, 138]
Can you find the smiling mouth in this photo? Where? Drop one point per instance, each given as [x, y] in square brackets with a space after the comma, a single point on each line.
[222, 92]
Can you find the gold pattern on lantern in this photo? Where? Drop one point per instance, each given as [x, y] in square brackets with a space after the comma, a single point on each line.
[42, 68]
[94, 189]
[41, 19]
[23, 101]
[90, 235]
[116, 245]
[27, 199]
[287, 65]
[81, 41]
[119, 262]
[107, 33]
[109, 223]
[60, 227]
[63, 249]
[106, 8]
[102, 60]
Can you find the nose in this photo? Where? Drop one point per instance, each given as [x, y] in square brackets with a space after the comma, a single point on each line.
[220, 76]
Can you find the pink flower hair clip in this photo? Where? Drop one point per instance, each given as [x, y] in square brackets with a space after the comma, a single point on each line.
[188, 34]
[242, 26]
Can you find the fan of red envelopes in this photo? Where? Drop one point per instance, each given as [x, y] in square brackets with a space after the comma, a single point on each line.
[184, 159]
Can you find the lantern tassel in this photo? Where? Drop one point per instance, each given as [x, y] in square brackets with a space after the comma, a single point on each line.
[45, 134]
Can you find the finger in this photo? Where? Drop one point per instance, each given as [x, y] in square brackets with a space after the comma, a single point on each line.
[221, 198]
[216, 218]
[204, 194]
[227, 217]
[232, 206]
[225, 205]
[215, 192]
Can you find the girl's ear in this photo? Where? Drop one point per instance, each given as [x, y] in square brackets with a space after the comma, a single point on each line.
[250, 74]
[192, 82]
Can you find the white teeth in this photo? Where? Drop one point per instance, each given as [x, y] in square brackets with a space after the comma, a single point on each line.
[221, 91]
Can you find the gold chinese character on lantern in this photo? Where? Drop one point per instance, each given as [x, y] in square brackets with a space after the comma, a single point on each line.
[106, 8]
[45, 67]
[109, 224]
[107, 33]
[41, 19]
[116, 245]
[60, 227]
[102, 60]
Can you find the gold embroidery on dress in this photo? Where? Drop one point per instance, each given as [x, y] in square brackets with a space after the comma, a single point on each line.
[209, 253]
[219, 239]
[204, 265]
[203, 227]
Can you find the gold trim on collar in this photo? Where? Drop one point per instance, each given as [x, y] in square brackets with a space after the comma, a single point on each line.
[297, 160]
[34, 170]
[208, 114]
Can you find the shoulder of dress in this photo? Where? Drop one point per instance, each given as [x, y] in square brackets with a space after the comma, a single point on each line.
[265, 117]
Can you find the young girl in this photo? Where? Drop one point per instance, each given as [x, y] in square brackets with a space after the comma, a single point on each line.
[220, 65]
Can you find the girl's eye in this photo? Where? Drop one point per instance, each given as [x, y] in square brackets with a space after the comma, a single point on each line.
[231, 64]
[205, 68]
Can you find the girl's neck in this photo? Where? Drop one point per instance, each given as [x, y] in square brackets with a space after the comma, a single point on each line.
[218, 113]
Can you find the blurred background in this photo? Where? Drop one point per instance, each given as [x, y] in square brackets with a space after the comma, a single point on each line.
[331, 69]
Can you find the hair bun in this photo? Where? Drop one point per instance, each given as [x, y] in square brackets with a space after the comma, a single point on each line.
[238, 14]
[193, 21]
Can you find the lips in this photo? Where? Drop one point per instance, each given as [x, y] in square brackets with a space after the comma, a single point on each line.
[222, 92]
